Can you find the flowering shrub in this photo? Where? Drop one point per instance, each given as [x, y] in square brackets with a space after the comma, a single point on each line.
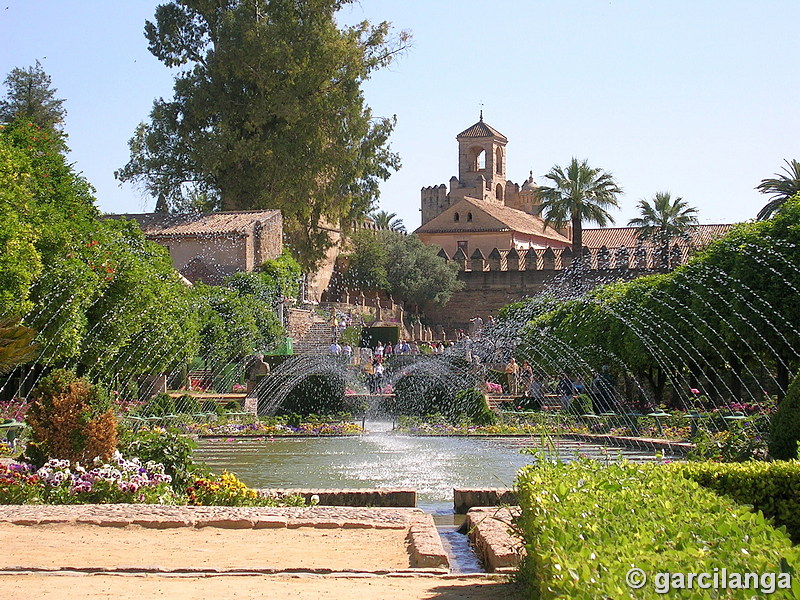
[60, 482]
[238, 387]
[16, 409]
[228, 490]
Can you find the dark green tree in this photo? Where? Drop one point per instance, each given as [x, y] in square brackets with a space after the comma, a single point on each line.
[780, 188]
[416, 274]
[267, 113]
[664, 220]
[579, 194]
[30, 97]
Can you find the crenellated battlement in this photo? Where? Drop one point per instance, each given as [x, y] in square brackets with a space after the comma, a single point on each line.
[636, 258]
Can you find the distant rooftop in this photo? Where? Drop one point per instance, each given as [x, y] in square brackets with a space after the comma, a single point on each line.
[616, 237]
[236, 223]
[481, 130]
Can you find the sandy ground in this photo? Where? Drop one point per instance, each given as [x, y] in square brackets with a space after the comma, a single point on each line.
[105, 587]
[91, 546]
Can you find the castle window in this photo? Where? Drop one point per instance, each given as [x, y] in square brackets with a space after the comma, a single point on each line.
[499, 161]
[498, 192]
[477, 158]
[456, 217]
[469, 217]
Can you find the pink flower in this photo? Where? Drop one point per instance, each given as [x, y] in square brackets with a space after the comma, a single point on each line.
[695, 391]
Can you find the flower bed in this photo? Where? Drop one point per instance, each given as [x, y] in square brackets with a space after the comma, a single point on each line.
[59, 482]
[260, 429]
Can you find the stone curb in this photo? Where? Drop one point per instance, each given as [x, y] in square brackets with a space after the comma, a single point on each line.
[426, 547]
[488, 528]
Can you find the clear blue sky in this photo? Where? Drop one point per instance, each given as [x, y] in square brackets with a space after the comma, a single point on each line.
[694, 97]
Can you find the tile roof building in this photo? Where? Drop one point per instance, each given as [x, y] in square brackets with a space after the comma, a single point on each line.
[209, 247]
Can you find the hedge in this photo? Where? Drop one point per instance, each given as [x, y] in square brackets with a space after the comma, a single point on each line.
[771, 487]
[585, 525]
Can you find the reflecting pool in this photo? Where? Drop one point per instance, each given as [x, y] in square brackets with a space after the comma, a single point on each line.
[431, 465]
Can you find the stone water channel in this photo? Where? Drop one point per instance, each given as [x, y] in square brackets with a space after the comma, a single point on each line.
[433, 466]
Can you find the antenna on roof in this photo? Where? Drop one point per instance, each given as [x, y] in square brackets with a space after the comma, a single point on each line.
[481, 111]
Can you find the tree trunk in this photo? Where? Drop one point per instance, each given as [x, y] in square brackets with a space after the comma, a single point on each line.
[577, 238]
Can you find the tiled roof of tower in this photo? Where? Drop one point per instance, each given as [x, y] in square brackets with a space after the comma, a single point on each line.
[498, 218]
[616, 237]
[481, 130]
[219, 223]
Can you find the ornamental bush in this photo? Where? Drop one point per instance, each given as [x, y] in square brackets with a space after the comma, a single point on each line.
[771, 487]
[70, 419]
[785, 431]
[586, 524]
[174, 452]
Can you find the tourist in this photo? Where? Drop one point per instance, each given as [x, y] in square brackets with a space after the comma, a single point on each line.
[512, 376]
[565, 390]
[379, 350]
[369, 371]
[398, 347]
[525, 376]
[347, 350]
[535, 393]
[379, 370]
[335, 348]
[387, 350]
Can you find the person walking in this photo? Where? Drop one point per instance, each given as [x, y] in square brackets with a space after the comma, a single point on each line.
[512, 376]
[566, 390]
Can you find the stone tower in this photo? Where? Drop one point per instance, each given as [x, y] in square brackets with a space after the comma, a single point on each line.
[482, 162]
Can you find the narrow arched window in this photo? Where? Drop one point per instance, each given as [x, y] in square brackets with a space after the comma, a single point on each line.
[498, 161]
[469, 217]
[456, 217]
[498, 192]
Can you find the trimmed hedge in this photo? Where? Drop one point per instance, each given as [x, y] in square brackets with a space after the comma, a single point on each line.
[784, 432]
[585, 525]
[771, 487]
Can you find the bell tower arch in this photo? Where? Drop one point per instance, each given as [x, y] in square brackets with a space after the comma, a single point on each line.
[481, 161]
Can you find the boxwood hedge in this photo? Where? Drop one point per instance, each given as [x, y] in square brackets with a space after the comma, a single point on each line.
[586, 525]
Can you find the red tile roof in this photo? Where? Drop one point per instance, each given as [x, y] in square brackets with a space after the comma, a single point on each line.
[481, 130]
[616, 237]
[501, 218]
[237, 223]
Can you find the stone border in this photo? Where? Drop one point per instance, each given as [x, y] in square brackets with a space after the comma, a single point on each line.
[635, 443]
[425, 545]
[489, 530]
[426, 553]
[362, 497]
[467, 498]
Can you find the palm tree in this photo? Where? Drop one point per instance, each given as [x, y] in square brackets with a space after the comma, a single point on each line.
[579, 194]
[664, 220]
[387, 220]
[780, 188]
[16, 345]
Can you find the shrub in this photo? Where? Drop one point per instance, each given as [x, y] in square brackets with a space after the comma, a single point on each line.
[472, 405]
[172, 451]
[70, 419]
[187, 405]
[785, 431]
[771, 487]
[160, 405]
[740, 443]
[581, 405]
[323, 394]
[585, 525]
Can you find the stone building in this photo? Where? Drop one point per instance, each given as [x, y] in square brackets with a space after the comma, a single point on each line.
[482, 209]
[209, 247]
[491, 228]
